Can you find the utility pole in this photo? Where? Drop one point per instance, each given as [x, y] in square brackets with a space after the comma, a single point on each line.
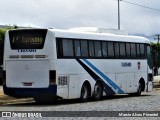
[119, 15]
[157, 37]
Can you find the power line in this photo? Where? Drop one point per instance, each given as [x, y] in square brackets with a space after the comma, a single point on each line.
[141, 5]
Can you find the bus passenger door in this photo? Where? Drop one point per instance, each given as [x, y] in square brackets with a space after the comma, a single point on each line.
[73, 87]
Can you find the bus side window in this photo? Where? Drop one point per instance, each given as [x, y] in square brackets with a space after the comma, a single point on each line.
[104, 49]
[122, 50]
[67, 47]
[98, 51]
[128, 50]
[110, 49]
[59, 47]
[133, 50]
[84, 48]
[138, 50]
[91, 49]
[142, 50]
[77, 48]
[116, 46]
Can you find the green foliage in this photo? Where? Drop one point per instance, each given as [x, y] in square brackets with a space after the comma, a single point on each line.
[155, 46]
[156, 54]
[2, 35]
[3, 31]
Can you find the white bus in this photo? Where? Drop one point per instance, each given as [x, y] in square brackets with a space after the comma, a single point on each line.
[49, 64]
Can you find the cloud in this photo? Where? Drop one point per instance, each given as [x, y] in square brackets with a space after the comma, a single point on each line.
[89, 13]
[141, 20]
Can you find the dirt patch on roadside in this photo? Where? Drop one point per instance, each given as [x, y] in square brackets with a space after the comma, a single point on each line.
[4, 97]
[6, 100]
[1, 92]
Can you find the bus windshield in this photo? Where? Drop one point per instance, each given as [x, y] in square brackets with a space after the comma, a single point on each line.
[149, 57]
[27, 39]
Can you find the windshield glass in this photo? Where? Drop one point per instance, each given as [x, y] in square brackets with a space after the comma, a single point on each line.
[149, 57]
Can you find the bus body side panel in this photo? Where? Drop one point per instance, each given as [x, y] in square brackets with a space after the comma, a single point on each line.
[124, 73]
[126, 77]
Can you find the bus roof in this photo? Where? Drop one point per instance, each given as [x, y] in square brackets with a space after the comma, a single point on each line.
[94, 35]
[98, 36]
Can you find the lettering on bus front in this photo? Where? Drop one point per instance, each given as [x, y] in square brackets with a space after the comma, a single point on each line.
[31, 50]
[29, 40]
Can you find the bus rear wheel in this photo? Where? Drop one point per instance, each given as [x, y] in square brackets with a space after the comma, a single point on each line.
[84, 93]
[98, 90]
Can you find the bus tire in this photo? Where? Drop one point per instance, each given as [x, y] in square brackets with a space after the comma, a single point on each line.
[138, 93]
[98, 90]
[84, 93]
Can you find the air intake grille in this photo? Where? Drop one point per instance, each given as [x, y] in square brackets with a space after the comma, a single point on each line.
[62, 80]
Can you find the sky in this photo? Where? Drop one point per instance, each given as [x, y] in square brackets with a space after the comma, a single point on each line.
[64, 14]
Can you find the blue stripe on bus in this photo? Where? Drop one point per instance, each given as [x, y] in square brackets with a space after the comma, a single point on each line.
[107, 89]
[109, 81]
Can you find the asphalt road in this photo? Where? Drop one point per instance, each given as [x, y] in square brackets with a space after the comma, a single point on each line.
[145, 102]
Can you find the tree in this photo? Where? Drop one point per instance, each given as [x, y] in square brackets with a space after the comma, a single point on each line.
[2, 35]
[156, 56]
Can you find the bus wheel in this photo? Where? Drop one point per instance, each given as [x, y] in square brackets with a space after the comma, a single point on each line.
[84, 93]
[139, 90]
[98, 90]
